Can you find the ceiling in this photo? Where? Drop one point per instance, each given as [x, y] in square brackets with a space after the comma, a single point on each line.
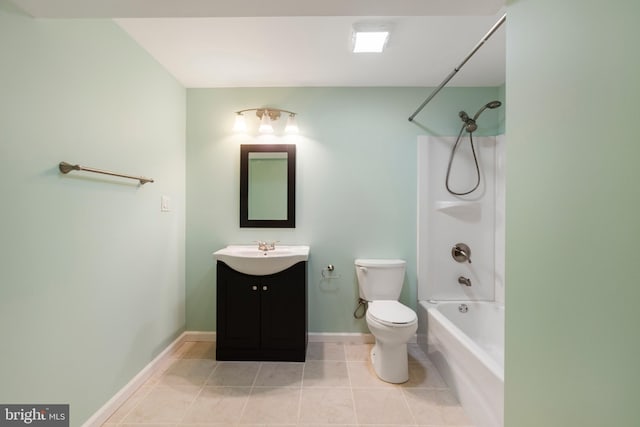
[224, 43]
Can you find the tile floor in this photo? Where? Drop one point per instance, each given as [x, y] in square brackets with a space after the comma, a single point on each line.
[336, 386]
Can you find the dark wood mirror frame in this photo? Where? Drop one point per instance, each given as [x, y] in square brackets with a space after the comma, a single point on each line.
[290, 149]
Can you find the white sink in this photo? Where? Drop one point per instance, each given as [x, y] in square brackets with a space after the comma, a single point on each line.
[248, 259]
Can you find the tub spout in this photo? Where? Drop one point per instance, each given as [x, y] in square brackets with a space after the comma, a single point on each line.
[464, 281]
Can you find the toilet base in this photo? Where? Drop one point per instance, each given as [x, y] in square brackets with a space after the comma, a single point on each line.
[390, 362]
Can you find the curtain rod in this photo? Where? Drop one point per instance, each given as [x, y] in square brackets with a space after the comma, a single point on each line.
[464, 61]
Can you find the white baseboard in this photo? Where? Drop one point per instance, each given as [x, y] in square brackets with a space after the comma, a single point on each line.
[199, 336]
[147, 372]
[348, 337]
[342, 337]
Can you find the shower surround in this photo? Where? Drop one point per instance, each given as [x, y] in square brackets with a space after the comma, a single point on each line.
[470, 359]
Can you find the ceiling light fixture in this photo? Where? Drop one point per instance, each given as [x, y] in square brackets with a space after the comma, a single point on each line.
[266, 116]
[370, 37]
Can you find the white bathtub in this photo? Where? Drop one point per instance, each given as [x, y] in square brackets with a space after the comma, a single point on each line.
[468, 351]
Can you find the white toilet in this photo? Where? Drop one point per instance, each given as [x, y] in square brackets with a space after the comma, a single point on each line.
[391, 323]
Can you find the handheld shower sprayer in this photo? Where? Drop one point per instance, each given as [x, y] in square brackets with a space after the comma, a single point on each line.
[470, 124]
[491, 105]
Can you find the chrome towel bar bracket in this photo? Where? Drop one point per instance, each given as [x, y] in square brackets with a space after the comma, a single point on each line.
[67, 167]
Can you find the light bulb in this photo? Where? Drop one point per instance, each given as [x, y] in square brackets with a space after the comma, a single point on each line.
[265, 123]
[240, 124]
[292, 126]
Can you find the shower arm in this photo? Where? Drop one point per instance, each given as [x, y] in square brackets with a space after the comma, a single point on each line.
[456, 69]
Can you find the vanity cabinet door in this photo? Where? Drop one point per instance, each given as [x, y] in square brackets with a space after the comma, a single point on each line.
[284, 319]
[262, 317]
[238, 314]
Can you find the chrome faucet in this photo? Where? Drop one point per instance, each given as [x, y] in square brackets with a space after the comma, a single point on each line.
[464, 281]
[264, 246]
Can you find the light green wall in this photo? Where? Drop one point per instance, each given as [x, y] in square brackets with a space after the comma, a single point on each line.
[356, 178]
[573, 197]
[91, 273]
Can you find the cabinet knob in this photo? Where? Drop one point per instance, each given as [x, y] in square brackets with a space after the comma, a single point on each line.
[254, 287]
[264, 288]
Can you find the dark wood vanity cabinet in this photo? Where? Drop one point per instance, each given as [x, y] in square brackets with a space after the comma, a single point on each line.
[262, 317]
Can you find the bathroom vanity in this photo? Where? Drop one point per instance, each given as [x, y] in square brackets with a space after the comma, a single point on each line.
[261, 317]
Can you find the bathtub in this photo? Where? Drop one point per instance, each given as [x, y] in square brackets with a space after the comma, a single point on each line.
[468, 351]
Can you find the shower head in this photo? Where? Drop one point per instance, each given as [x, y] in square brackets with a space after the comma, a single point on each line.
[469, 123]
[491, 105]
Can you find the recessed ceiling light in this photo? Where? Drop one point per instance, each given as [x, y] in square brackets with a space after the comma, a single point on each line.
[370, 38]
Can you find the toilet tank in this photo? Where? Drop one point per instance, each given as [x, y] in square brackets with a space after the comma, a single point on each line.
[380, 279]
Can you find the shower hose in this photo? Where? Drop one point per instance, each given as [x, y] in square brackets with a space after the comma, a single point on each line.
[475, 159]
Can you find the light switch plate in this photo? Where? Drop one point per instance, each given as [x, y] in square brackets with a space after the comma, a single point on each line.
[164, 204]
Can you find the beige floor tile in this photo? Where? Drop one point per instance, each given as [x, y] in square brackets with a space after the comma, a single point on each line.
[182, 349]
[222, 405]
[436, 407]
[187, 372]
[164, 404]
[325, 351]
[415, 353]
[272, 406]
[390, 425]
[381, 406]
[129, 404]
[362, 375]
[424, 406]
[273, 374]
[336, 387]
[148, 425]
[255, 425]
[325, 373]
[327, 406]
[200, 350]
[235, 374]
[358, 352]
[160, 370]
[329, 425]
[452, 412]
[424, 375]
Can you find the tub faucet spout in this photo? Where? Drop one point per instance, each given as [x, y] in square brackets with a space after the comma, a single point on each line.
[464, 281]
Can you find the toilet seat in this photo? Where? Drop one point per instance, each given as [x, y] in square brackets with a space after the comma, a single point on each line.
[391, 313]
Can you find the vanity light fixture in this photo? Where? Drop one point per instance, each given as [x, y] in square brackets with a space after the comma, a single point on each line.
[370, 37]
[266, 116]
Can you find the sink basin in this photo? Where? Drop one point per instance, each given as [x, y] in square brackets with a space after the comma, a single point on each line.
[248, 259]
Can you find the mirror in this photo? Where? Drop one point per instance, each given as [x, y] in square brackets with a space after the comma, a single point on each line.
[267, 185]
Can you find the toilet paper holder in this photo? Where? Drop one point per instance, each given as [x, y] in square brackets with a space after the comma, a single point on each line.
[328, 272]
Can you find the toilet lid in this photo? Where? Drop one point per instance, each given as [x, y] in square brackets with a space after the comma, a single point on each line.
[391, 312]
